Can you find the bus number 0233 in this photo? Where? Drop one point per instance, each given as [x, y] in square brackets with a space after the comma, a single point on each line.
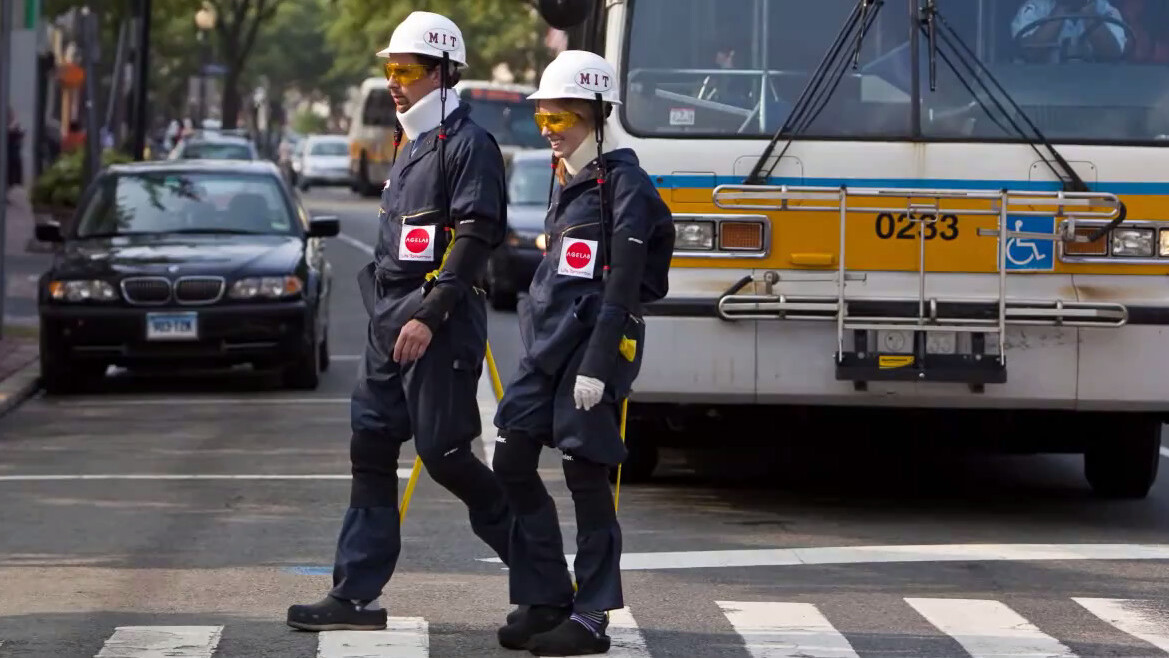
[901, 227]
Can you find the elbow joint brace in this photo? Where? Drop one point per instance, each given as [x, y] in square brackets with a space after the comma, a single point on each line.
[628, 257]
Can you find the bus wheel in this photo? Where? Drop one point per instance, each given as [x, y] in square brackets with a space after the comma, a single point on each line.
[1121, 460]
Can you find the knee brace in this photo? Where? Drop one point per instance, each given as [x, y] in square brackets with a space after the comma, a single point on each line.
[374, 463]
[591, 495]
[517, 455]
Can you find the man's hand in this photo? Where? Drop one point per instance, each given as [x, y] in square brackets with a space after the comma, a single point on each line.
[412, 342]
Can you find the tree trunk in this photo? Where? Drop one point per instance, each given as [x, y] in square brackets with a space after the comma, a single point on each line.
[232, 103]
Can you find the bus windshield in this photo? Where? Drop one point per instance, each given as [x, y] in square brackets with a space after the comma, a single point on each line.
[1101, 78]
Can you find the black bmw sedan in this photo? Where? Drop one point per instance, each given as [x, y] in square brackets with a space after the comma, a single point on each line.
[187, 262]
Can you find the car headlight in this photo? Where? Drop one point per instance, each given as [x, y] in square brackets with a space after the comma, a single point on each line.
[82, 291]
[1133, 242]
[523, 238]
[267, 287]
[693, 236]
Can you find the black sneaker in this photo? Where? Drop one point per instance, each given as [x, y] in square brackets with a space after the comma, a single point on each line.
[570, 638]
[333, 614]
[535, 619]
[515, 614]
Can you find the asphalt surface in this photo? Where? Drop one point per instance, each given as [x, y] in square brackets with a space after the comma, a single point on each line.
[81, 557]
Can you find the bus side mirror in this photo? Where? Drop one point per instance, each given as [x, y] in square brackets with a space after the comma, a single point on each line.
[564, 14]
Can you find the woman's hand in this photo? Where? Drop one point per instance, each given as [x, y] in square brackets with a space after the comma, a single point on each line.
[587, 392]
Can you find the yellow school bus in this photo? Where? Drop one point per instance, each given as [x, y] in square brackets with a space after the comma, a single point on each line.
[903, 207]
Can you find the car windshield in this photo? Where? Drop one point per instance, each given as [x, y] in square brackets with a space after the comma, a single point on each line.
[507, 115]
[329, 148]
[528, 182]
[182, 202]
[217, 151]
[698, 68]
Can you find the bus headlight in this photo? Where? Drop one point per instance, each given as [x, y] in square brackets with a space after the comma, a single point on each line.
[1133, 242]
[693, 236]
[1164, 242]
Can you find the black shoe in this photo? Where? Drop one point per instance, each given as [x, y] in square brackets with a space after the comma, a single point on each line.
[570, 638]
[535, 619]
[333, 614]
[515, 614]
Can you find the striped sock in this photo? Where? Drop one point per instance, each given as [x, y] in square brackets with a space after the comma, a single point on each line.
[593, 621]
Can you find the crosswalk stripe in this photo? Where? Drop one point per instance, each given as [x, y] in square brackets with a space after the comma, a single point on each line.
[1137, 618]
[626, 639]
[162, 642]
[786, 630]
[404, 637]
[988, 628]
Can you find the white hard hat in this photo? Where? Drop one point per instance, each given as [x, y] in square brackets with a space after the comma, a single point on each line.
[578, 74]
[426, 33]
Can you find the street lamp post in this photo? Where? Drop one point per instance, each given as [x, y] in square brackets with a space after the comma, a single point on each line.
[205, 21]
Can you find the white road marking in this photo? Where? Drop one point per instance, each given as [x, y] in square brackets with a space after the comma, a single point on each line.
[1164, 451]
[355, 243]
[1146, 620]
[402, 474]
[988, 629]
[782, 557]
[626, 639]
[162, 642]
[786, 630]
[404, 637]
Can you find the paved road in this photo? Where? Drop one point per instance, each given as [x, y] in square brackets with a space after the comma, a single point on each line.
[240, 489]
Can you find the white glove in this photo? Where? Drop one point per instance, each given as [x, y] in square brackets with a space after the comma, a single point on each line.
[587, 392]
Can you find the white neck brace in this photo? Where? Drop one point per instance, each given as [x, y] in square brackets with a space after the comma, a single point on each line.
[585, 153]
[424, 115]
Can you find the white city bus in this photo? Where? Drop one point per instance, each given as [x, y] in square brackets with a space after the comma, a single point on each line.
[960, 221]
[502, 109]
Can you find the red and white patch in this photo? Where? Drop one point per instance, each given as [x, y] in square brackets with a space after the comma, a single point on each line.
[579, 258]
[417, 243]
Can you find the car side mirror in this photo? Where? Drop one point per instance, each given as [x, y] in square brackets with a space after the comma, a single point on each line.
[565, 14]
[49, 232]
[324, 226]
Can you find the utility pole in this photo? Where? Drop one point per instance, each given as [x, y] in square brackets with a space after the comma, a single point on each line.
[6, 18]
[141, 78]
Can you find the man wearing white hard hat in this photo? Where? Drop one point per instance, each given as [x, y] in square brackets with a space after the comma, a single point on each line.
[442, 212]
[610, 240]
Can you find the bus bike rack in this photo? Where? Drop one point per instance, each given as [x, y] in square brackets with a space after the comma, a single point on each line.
[976, 316]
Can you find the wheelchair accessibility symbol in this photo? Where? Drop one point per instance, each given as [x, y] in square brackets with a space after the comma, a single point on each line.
[1027, 254]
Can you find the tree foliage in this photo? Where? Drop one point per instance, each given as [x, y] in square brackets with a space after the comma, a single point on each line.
[495, 31]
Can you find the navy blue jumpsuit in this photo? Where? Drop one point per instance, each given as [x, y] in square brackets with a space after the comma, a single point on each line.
[575, 322]
[432, 399]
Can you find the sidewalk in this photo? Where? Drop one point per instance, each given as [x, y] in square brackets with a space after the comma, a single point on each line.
[24, 261]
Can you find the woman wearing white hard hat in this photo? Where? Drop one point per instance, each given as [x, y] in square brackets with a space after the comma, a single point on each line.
[443, 210]
[610, 239]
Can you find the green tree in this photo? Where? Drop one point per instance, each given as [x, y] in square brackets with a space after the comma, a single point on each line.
[496, 31]
[292, 53]
[237, 28]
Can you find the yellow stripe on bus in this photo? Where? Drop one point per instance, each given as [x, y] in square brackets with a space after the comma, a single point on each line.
[811, 240]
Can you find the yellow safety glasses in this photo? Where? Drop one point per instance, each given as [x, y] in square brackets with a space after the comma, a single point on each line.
[556, 121]
[405, 74]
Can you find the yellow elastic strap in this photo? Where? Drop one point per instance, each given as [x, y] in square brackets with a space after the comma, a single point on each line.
[628, 348]
[430, 276]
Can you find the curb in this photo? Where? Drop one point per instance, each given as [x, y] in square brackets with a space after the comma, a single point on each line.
[19, 387]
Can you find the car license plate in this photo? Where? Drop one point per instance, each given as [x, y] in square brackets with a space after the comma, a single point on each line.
[172, 326]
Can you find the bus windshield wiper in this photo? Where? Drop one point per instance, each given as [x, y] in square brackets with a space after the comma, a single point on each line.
[821, 85]
[935, 25]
